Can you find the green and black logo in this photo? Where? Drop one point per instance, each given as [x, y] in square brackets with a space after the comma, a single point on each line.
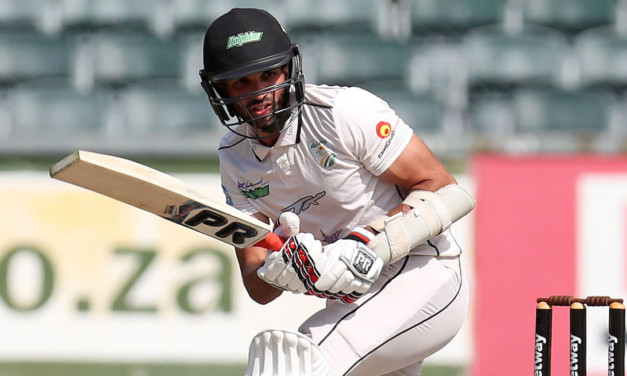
[242, 38]
[254, 190]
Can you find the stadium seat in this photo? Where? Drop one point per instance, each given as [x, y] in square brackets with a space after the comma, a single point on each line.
[454, 16]
[31, 55]
[54, 111]
[540, 120]
[6, 116]
[570, 16]
[500, 59]
[20, 13]
[191, 60]
[118, 58]
[97, 14]
[554, 110]
[343, 58]
[561, 121]
[325, 14]
[542, 110]
[184, 16]
[602, 56]
[491, 116]
[438, 67]
[164, 109]
[161, 118]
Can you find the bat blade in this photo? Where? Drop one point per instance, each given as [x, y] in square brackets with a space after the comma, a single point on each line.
[163, 195]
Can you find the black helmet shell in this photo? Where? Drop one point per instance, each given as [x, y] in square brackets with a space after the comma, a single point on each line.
[242, 42]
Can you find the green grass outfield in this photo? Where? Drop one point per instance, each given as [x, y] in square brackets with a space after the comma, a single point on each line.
[101, 369]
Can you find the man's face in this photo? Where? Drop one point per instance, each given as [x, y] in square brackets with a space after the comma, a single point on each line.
[260, 107]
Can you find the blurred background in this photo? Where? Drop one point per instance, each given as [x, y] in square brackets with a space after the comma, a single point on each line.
[523, 100]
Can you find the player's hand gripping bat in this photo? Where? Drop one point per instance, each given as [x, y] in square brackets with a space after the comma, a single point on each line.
[165, 196]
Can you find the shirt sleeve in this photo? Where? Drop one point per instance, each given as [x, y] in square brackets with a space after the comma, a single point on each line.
[370, 129]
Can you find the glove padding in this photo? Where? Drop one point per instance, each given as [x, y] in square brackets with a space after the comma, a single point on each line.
[350, 269]
[343, 270]
[294, 267]
[277, 269]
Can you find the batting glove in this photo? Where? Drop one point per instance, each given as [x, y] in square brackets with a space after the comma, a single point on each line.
[297, 267]
[351, 267]
[277, 269]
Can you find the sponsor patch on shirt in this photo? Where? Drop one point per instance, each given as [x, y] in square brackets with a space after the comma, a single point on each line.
[254, 190]
[383, 129]
[387, 145]
[305, 203]
[326, 157]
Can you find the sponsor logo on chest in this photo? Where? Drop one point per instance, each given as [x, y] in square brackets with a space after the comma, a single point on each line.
[305, 203]
[254, 190]
[326, 157]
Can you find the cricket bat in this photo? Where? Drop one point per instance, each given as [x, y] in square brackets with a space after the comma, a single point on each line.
[165, 196]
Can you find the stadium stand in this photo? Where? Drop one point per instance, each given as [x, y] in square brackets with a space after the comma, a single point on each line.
[500, 58]
[602, 54]
[331, 14]
[570, 16]
[468, 74]
[164, 109]
[555, 110]
[331, 57]
[115, 58]
[24, 14]
[29, 55]
[94, 14]
[172, 17]
[49, 115]
[453, 17]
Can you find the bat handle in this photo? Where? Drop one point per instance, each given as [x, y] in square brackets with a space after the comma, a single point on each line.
[272, 241]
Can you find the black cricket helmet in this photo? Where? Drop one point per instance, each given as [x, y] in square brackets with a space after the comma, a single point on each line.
[246, 41]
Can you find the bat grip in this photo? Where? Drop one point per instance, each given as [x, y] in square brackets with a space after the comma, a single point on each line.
[272, 242]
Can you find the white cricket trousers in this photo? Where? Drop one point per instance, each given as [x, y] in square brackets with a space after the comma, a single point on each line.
[415, 307]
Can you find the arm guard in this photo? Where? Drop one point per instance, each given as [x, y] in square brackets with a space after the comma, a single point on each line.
[431, 214]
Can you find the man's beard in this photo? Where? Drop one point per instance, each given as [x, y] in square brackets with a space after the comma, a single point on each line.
[274, 120]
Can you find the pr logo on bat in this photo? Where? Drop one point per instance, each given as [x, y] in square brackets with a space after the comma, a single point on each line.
[207, 221]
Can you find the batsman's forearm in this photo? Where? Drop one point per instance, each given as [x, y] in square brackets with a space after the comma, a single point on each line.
[258, 290]
[431, 214]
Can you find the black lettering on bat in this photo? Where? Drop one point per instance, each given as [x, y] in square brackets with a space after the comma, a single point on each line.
[238, 231]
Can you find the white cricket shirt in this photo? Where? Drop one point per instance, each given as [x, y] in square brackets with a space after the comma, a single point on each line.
[326, 168]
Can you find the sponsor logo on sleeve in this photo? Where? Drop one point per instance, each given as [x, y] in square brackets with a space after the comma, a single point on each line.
[383, 129]
[387, 144]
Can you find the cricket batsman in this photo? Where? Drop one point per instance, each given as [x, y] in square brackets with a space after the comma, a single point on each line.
[366, 206]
